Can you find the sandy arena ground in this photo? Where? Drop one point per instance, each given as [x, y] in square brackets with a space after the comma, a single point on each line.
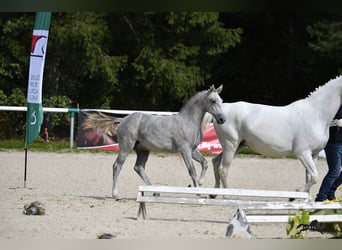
[76, 191]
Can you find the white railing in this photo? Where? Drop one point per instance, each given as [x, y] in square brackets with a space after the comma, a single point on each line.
[72, 112]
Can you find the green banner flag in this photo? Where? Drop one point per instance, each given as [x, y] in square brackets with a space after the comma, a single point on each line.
[34, 115]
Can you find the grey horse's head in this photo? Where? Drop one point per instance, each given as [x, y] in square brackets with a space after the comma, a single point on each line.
[214, 102]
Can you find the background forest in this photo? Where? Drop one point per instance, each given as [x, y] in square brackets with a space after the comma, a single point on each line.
[157, 60]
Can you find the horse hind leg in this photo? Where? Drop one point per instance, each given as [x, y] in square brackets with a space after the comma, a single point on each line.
[139, 167]
[310, 170]
[117, 166]
[126, 146]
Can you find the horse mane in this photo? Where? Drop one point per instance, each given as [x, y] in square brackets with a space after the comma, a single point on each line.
[207, 119]
[192, 101]
[104, 122]
[319, 89]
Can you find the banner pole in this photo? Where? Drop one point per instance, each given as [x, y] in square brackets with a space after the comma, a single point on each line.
[25, 166]
[72, 118]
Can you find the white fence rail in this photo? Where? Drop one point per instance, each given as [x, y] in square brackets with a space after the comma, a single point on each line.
[72, 112]
[259, 200]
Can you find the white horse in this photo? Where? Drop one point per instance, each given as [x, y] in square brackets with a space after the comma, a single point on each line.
[300, 128]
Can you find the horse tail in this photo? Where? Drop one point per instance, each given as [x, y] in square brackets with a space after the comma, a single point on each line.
[207, 119]
[107, 124]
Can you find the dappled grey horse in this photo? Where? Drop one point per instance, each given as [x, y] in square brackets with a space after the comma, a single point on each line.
[175, 133]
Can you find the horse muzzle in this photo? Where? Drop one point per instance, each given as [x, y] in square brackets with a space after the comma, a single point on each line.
[220, 119]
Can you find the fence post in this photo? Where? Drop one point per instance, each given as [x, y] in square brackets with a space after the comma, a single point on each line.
[72, 119]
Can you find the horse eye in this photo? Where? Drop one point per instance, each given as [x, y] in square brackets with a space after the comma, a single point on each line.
[213, 101]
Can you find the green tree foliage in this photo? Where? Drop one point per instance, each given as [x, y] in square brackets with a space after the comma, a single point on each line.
[12, 124]
[274, 63]
[57, 123]
[174, 51]
[3, 98]
[157, 60]
[15, 40]
[327, 39]
[79, 62]
[115, 60]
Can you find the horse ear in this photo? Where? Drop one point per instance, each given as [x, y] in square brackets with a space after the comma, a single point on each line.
[212, 88]
[219, 89]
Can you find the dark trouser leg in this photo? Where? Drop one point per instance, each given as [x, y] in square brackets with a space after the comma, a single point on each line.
[333, 154]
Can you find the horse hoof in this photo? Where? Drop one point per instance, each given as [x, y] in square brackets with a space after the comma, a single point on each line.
[212, 196]
[106, 236]
[115, 194]
[116, 197]
[200, 182]
[291, 199]
[202, 196]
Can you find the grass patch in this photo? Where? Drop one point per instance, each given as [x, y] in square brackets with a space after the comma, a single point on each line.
[38, 145]
[60, 145]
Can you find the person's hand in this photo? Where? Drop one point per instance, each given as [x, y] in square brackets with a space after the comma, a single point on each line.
[336, 122]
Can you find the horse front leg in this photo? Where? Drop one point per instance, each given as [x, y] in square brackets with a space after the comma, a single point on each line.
[221, 165]
[187, 157]
[222, 162]
[197, 156]
[216, 164]
[223, 169]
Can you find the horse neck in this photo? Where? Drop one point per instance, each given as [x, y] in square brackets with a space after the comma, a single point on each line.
[193, 114]
[326, 100]
[193, 111]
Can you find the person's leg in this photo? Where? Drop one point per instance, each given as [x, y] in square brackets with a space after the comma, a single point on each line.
[337, 183]
[333, 156]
